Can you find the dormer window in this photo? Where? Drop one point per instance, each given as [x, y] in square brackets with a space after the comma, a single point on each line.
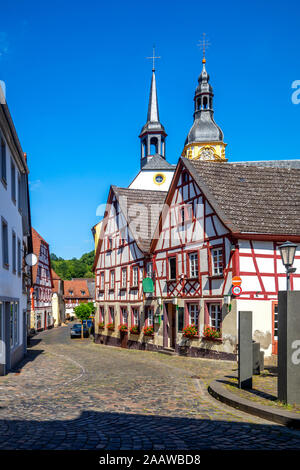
[70, 292]
[82, 292]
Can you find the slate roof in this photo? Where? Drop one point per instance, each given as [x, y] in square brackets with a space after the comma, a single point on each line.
[157, 162]
[251, 198]
[274, 163]
[77, 285]
[141, 204]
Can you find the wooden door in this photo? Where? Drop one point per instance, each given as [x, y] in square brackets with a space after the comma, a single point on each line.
[274, 328]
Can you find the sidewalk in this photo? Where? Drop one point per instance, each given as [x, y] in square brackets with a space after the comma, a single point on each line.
[260, 401]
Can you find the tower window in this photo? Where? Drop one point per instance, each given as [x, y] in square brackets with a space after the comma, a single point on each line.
[198, 104]
[153, 146]
[205, 102]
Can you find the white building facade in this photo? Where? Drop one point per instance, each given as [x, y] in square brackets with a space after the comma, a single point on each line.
[15, 241]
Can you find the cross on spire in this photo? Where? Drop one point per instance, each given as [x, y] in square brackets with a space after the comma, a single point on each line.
[204, 43]
[153, 58]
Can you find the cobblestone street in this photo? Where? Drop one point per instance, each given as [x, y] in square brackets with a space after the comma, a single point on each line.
[73, 394]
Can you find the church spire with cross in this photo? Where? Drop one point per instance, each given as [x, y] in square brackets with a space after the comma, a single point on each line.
[153, 133]
[205, 138]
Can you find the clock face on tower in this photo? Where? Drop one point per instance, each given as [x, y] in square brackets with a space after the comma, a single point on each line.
[207, 154]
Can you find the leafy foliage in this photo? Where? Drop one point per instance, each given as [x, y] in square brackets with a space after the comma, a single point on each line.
[82, 311]
[73, 268]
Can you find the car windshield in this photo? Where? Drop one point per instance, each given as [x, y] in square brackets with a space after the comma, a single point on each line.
[76, 326]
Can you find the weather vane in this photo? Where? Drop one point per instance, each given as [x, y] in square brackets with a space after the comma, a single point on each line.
[153, 58]
[204, 43]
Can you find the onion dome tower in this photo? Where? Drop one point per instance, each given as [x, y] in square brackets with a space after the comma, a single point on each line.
[205, 140]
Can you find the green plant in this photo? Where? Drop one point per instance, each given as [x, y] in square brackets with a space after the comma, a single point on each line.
[82, 312]
[190, 331]
[110, 326]
[101, 325]
[134, 330]
[211, 333]
[123, 327]
[148, 330]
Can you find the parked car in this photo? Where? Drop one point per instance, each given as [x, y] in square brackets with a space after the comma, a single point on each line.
[76, 331]
[88, 322]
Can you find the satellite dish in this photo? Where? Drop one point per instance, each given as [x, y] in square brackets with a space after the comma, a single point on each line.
[31, 259]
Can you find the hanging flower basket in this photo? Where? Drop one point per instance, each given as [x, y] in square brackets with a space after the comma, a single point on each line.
[110, 326]
[101, 325]
[211, 334]
[123, 327]
[148, 331]
[190, 331]
[134, 330]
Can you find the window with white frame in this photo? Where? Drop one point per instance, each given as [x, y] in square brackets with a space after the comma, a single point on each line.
[101, 314]
[149, 269]
[19, 256]
[135, 276]
[14, 248]
[13, 181]
[215, 316]
[193, 261]
[124, 278]
[217, 261]
[172, 267]
[101, 281]
[112, 314]
[14, 324]
[5, 257]
[112, 280]
[124, 315]
[3, 161]
[149, 316]
[193, 314]
[135, 316]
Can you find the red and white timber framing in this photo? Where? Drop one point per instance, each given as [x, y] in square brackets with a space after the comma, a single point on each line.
[120, 263]
[42, 291]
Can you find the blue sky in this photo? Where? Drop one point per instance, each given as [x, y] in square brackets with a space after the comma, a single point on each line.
[77, 83]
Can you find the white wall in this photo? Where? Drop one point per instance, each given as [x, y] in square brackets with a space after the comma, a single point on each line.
[10, 283]
[144, 180]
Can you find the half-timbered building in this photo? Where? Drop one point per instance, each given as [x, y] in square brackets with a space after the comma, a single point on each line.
[77, 291]
[41, 291]
[217, 221]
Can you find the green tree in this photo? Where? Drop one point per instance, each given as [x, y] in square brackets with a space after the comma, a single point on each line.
[82, 312]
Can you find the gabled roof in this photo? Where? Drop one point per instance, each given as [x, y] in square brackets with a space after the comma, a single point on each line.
[251, 198]
[144, 204]
[134, 204]
[76, 286]
[157, 162]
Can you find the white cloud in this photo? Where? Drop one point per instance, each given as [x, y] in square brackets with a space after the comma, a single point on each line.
[3, 44]
[34, 185]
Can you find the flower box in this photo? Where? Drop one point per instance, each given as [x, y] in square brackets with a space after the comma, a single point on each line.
[134, 330]
[123, 327]
[190, 331]
[211, 334]
[101, 326]
[110, 326]
[148, 331]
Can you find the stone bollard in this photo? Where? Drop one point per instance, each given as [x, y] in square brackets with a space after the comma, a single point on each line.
[258, 358]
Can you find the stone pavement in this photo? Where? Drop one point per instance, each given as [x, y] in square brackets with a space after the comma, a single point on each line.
[74, 394]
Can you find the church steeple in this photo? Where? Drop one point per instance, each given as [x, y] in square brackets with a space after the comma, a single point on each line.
[205, 138]
[153, 133]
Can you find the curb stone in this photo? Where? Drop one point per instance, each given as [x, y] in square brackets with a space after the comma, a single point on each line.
[286, 418]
